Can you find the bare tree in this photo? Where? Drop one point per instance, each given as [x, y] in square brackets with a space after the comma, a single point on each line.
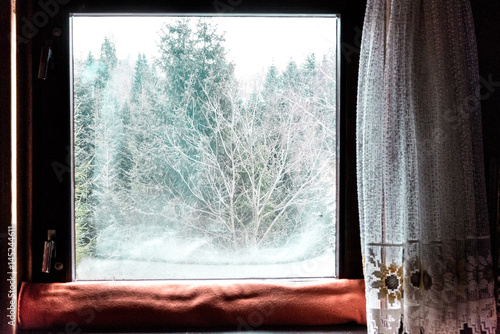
[261, 176]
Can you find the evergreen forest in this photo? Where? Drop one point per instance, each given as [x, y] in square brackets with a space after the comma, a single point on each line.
[176, 160]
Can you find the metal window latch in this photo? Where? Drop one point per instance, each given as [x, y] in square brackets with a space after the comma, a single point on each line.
[45, 59]
[49, 251]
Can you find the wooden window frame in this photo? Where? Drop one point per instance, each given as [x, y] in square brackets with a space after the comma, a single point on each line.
[44, 154]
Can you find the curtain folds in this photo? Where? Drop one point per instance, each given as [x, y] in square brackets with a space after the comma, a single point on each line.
[424, 224]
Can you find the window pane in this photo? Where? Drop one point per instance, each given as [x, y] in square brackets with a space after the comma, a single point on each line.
[204, 147]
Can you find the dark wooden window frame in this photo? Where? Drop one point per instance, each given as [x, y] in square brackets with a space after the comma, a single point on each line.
[44, 114]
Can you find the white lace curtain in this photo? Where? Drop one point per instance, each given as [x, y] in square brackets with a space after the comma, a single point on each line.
[425, 235]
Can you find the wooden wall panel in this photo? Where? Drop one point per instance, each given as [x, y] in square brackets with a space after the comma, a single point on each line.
[6, 245]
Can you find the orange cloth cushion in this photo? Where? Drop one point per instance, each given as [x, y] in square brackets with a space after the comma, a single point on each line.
[146, 304]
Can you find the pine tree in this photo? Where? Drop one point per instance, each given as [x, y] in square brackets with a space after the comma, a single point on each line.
[309, 72]
[195, 66]
[85, 105]
[124, 155]
[140, 76]
[309, 68]
[271, 81]
[107, 62]
[196, 77]
[176, 60]
[291, 76]
[98, 148]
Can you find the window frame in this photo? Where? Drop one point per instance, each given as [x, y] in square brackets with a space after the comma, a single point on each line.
[50, 136]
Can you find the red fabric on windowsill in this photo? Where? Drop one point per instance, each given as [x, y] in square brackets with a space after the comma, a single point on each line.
[162, 304]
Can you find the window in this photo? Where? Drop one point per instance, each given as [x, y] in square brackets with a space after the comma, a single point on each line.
[204, 146]
[176, 171]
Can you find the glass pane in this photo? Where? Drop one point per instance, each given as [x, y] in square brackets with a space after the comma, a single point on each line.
[204, 147]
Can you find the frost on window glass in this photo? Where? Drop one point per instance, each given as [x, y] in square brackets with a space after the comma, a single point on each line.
[204, 147]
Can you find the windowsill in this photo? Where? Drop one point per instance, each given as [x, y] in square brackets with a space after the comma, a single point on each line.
[152, 305]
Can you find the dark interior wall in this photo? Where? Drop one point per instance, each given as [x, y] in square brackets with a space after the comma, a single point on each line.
[487, 23]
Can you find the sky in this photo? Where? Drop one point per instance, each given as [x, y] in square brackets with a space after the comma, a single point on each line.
[252, 43]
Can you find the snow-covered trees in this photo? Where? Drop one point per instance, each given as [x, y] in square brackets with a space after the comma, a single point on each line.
[172, 145]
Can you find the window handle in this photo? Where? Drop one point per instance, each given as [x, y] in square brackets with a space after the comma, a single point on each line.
[49, 251]
[45, 58]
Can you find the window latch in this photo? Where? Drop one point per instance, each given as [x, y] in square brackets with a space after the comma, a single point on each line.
[45, 59]
[49, 251]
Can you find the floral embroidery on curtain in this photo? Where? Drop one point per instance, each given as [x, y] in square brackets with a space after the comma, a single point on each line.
[423, 216]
